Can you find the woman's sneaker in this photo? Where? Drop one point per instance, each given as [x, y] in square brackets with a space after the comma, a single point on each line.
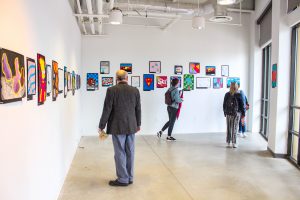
[159, 133]
[170, 138]
[234, 145]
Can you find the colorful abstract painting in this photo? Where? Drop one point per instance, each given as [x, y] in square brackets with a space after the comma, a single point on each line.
[31, 78]
[274, 75]
[65, 82]
[104, 67]
[42, 79]
[49, 79]
[210, 70]
[92, 81]
[188, 82]
[161, 81]
[12, 76]
[225, 70]
[55, 80]
[148, 82]
[61, 80]
[203, 82]
[194, 68]
[178, 69]
[126, 67]
[135, 81]
[231, 80]
[217, 83]
[107, 81]
[154, 67]
[176, 77]
[73, 83]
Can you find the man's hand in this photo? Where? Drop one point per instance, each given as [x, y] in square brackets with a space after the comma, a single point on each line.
[243, 120]
[138, 129]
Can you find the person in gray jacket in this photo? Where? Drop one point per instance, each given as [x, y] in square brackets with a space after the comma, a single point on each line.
[122, 114]
[172, 110]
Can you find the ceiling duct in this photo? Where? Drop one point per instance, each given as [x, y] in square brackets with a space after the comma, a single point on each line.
[221, 15]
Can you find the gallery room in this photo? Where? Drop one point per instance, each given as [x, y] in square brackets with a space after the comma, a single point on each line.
[149, 99]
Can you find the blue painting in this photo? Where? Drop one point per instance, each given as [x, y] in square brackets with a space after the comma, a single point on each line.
[92, 81]
[148, 82]
[233, 80]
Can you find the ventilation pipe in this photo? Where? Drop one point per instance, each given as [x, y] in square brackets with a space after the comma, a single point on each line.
[80, 18]
[90, 11]
[100, 12]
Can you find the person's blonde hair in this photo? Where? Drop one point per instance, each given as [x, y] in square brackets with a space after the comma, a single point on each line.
[233, 88]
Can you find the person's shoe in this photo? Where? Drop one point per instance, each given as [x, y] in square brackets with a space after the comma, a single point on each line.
[170, 138]
[242, 135]
[117, 183]
[228, 145]
[234, 145]
[130, 182]
[159, 133]
[245, 135]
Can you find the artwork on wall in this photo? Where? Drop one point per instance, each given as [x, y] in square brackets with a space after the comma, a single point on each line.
[178, 69]
[161, 81]
[55, 80]
[231, 80]
[217, 83]
[107, 81]
[92, 81]
[126, 67]
[210, 70]
[225, 70]
[148, 82]
[79, 81]
[49, 79]
[194, 68]
[61, 80]
[154, 67]
[65, 82]
[69, 81]
[73, 83]
[31, 78]
[188, 82]
[12, 76]
[179, 78]
[135, 81]
[274, 75]
[104, 67]
[42, 79]
[203, 82]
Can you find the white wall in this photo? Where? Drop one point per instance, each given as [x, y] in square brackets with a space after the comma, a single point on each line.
[202, 108]
[38, 142]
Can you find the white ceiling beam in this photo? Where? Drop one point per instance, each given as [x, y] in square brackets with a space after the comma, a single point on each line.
[80, 19]
[90, 11]
[93, 15]
[100, 12]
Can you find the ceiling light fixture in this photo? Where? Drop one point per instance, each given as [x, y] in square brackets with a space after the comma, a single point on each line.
[115, 16]
[226, 2]
[198, 22]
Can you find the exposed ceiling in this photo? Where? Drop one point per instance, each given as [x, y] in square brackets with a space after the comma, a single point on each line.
[92, 15]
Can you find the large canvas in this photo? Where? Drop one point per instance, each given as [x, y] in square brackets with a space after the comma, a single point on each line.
[224, 70]
[210, 70]
[231, 80]
[203, 82]
[55, 80]
[179, 78]
[104, 67]
[60, 80]
[107, 81]
[148, 82]
[217, 83]
[178, 69]
[188, 82]
[31, 78]
[154, 67]
[274, 75]
[42, 79]
[194, 68]
[12, 76]
[49, 79]
[73, 83]
[126, 67]
[135, 81]
[92, 81]
[65, 82]
[161, 81]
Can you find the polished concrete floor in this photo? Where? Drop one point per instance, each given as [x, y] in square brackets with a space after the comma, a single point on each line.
[197, 166]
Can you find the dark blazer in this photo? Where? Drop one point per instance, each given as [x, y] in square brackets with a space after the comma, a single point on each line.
[238, 96]
[121, 110]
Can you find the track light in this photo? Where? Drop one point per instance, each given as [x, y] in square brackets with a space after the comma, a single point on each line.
[115, 17]
[226, 2]
[198, 22]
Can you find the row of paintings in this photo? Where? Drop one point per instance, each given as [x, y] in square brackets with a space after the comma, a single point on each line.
[42, 79]
[155, 67]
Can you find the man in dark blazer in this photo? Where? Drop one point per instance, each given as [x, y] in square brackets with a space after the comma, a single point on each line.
[122, 114]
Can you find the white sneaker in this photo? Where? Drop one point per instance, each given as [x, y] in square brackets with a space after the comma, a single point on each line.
[242, 135]
[234, 145]
[228, 145]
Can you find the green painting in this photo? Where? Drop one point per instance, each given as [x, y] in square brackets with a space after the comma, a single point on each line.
[188, 82]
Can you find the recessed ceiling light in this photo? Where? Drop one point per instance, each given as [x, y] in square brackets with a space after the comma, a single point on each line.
[226, 2]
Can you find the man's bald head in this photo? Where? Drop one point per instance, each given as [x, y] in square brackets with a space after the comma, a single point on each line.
[122, 75]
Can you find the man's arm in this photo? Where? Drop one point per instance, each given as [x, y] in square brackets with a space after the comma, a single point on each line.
[107, 108]
[138, 111]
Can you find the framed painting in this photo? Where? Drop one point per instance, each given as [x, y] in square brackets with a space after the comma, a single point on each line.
[42, 79]
[233, 79]
[107, 81]
[176, 77]
[274, 75]
[148, 82]
[65, 82]
[73, 83]
[69, 81]
[225, 70]
[161, 81]
[92, 81]
[178, 69]
[31, 78]
[60, 80]
[188, 82]
[155, 67]
[217, 83]
[126, 67]
[210, 70]
[55, 80]
[49, 80]
[104, 67]
[79, 81]
[12, 76]
[135, 81]
[203, 82]
[194, 68]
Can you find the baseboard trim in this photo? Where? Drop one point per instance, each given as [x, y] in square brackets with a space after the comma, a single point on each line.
[277, 155]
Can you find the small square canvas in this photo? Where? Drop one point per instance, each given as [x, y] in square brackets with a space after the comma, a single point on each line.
[231, 80]
[188, 82]
[178, 69]
[107, 81]
[55, 80]
[225, 70]
[42, 79]
[274, 75]
[179, 78]
[148, 80]
[194, 68]
[49, 79]
[217, 83]
[92, 81]
[126, 67]
[104, 67]
[135, 81]
[155, 67]
[31, 78]
[161, 81]
[203, 82]
[210, 70]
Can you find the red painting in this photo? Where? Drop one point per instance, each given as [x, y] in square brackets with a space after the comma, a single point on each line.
[42, 79]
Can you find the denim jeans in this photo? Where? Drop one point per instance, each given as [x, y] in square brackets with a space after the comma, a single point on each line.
[172, 112]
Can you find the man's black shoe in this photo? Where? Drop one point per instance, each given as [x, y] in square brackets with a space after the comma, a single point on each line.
[130, 182]
[117, 183]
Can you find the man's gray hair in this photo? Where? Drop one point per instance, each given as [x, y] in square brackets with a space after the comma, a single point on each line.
[121, 75]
